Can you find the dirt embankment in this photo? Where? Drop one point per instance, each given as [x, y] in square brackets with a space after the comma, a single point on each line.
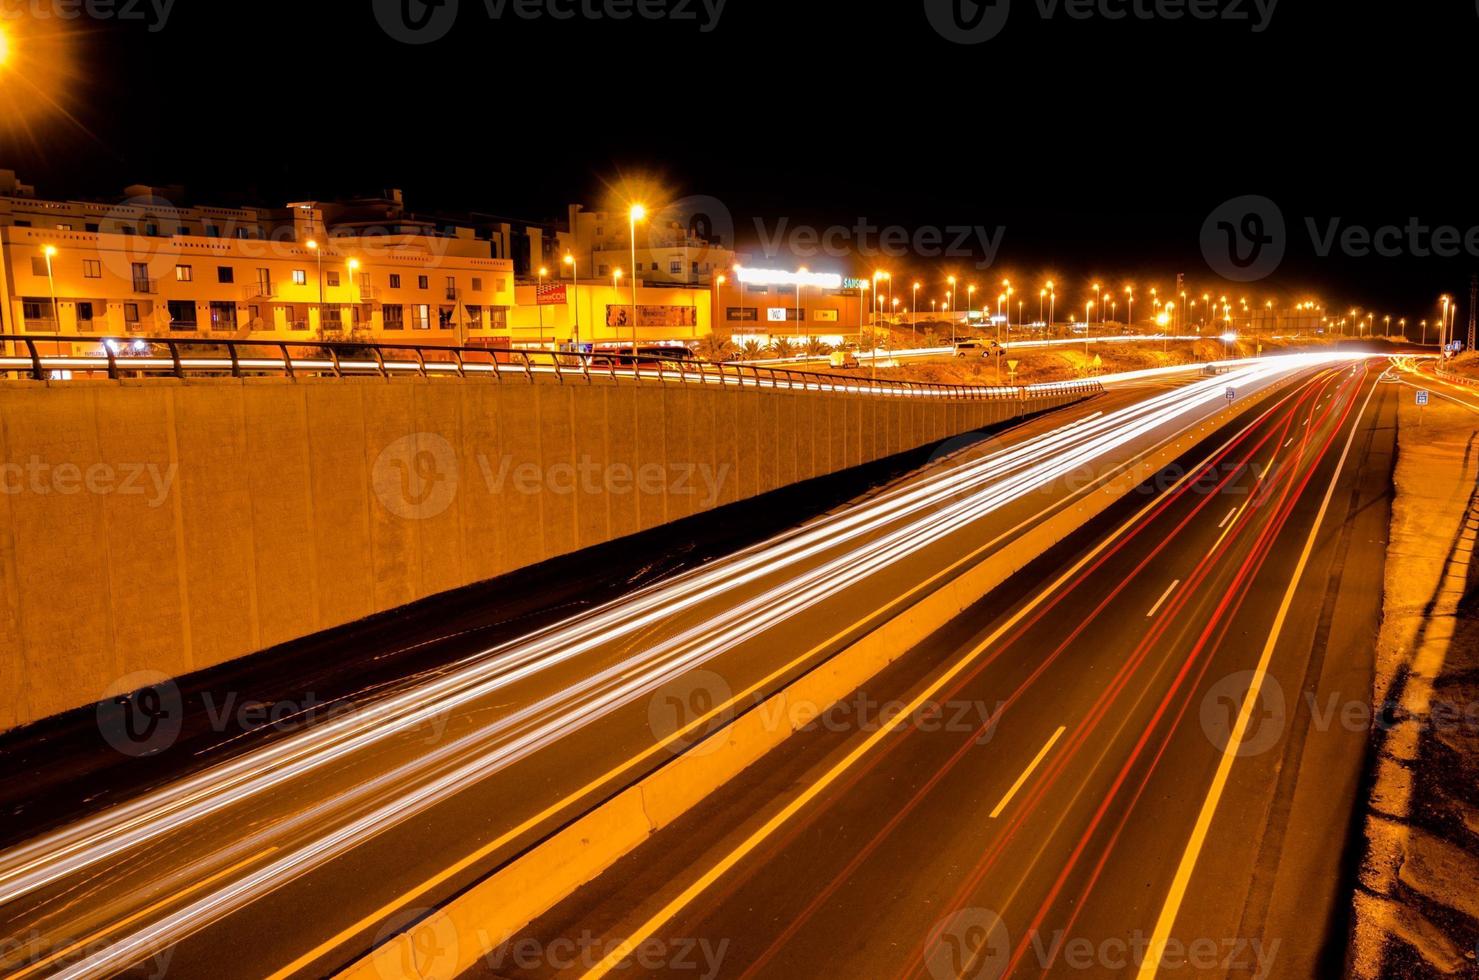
[1417, 901]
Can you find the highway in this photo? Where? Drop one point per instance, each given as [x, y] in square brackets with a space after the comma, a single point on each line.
[1110, 800]
[285, 852]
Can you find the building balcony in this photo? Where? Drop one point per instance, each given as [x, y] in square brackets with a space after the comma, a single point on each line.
[147, 286]
[260, 290]
[40, 325]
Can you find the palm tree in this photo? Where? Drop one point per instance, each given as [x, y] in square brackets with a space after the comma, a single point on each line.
[781, 347]
[752, 349]
[712, 347]
[816, 348]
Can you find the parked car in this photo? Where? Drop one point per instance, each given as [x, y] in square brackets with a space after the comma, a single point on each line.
[844, 359]
[970, 348]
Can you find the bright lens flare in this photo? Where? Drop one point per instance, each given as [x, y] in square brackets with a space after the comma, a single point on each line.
[39, 78]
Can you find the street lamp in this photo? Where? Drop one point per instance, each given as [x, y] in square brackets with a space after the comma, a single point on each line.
[636, 214]
[719, 282]
[575, 299]
[1098, 301]
[353, 265]
[313, 247]
[914, 317]
[951, 281]
[539, 301]
[1088, 315]
[56, 315]
[4, 47]
[1130, 307]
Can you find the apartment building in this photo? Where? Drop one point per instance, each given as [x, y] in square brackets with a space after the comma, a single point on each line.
[153, 264]
[677, 245]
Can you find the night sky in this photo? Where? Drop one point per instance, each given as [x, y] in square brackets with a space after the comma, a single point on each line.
[1099, 146]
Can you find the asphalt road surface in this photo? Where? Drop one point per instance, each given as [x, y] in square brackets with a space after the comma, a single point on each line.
[1074, 775]
[290, 846]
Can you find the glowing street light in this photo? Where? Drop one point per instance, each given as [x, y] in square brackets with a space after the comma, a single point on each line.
[636, 214]
[575, 298]
[313, 247]
[951, 281]
[4, 46]
[50, 252]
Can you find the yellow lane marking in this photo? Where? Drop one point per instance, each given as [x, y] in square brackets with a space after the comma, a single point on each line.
[1031, 768]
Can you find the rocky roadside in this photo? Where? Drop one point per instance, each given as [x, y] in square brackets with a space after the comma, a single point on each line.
[1417, 900]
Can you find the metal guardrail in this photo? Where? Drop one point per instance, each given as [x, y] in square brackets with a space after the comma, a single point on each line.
[181, 357]
[1459, 379]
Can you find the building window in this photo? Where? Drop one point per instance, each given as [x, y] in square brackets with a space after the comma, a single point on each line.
[39, 267]
[92, 269]
[38, 314]
[451, 287]
[223, 315]
[84, 313]
[331, 277]
[211, 231]
[395, 317]
[91, 226]
[184, 273]
[333, 318]
[264, 282]
[421, 317]
[300, 277]
[474, 316]
[675, 267]
[181, 314]
[297, 317]
[444, 317]
[130, 312]
[254, 318]
[395, 280]
[423, 282]
[225, 274]
[151, 230]
[20, 223]
[64, 227]
[477, 284]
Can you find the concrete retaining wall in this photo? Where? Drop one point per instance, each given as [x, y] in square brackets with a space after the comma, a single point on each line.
[168, 526]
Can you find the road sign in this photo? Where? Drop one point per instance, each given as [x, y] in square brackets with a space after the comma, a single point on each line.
[1422, 397]
[1232, 394]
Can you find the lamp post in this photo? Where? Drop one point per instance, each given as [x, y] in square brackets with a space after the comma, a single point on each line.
[1130, 307]
[313, 247]
[538, 301]
[56, 314]
[1088, 315]
[575, 299]
[719, 282]
[914, 318]
[616, 295]
[1098, 300]
[354, 296]
[951, 281]
[636, 214]
[800, 303]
